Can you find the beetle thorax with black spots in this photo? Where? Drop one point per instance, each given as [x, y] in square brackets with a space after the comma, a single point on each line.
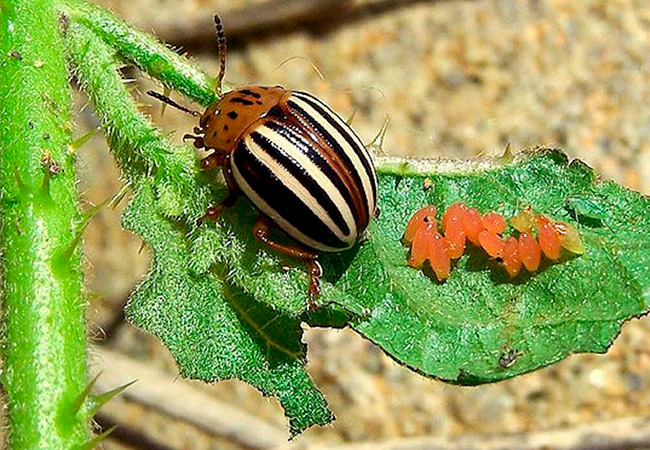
[224, 122]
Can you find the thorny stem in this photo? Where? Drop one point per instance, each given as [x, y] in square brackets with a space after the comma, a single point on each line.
[139, 147]
[144, 51]
[44, 334]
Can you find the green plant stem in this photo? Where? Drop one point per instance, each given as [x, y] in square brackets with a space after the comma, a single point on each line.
[143, 50]
[96, 66]
[139, 147]
[44, 338]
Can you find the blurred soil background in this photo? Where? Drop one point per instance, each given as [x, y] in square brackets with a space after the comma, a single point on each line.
[457, 79]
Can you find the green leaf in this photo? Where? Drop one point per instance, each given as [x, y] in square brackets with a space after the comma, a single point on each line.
[226, 307]
[213, 329]
[480, 326]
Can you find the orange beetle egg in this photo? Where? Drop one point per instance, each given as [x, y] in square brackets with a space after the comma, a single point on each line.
[452, 224]
[491, 243]
[454, 213]
[494, 222]
[529, 251]
[421, 217]
[549, 238]
[420, 246]
[570, 237]
[523, 221]
[473, 225]
[455, 238]
[511, 258]
[438, 257]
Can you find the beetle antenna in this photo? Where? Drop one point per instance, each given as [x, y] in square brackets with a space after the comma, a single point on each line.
[169, 101]
[222, 50]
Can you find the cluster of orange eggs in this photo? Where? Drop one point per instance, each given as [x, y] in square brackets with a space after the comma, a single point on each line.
[461, 224]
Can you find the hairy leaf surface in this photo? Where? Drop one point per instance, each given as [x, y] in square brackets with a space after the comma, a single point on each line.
[465, 329]
[226, 307]
[213, 329]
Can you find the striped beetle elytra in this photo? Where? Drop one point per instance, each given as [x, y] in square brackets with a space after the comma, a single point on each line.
[295, 159]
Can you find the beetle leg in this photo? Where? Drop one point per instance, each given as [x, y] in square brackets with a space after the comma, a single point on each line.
[261, 232]
[213, 160]
[214, 212]
[210, 162]
[228, 176]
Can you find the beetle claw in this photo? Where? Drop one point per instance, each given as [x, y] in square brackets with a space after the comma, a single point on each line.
[213, 212]
[315, 273]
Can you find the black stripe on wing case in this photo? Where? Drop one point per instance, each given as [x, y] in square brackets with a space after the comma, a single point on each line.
[333, 144]
[282, 200]
[301, 142]
[280, 155]
[346, 132]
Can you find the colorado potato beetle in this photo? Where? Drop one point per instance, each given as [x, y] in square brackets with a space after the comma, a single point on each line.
[295, 159]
